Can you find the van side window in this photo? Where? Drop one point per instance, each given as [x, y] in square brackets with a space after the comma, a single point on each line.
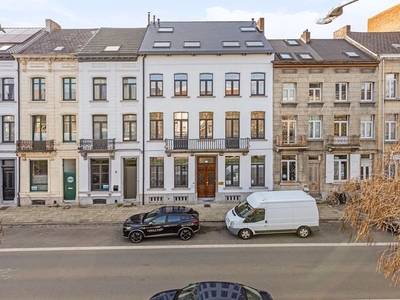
[256, 215]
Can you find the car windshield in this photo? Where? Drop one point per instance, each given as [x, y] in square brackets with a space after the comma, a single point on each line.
[187, 293]
[243, 209]
[150, 215]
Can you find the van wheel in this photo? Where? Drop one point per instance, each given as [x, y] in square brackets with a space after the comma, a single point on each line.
[303, 231]
[245, 234]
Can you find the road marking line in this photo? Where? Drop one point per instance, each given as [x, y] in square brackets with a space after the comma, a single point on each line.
[158, 247]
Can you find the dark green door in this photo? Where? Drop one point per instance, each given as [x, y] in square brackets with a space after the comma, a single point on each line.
[69, 185]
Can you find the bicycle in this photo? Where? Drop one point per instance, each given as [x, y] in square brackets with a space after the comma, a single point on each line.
[334, 198]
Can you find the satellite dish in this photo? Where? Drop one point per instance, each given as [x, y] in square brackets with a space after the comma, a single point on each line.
[334, 13]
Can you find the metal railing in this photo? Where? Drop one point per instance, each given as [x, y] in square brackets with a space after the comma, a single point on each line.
[291, 141]
[200, 145]
[343, 141]
[29, 145]
[96, 145]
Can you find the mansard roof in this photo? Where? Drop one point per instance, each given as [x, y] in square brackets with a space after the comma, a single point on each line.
[61, 41]
[204, 37]
[113, 44]
[377, 42]
[318, 51]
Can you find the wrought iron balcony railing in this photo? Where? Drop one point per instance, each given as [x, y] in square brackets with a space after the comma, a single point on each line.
[207, 145]
[298, 141]
[96, 145]
[335, 142]
[35, 146]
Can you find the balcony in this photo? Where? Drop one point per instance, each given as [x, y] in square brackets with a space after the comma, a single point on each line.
[351, 142]
[298, 142]
[35, 146]
[207, 145]
[90, 145]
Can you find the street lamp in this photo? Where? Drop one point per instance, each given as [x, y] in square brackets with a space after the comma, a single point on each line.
[334, 13]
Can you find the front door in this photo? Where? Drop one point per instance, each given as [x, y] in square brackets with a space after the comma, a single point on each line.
[130, 178]
[206, 177]
[313, 178]
[8, 183]
[69, 185]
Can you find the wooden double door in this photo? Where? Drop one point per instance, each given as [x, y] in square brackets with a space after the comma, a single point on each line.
[206, 176]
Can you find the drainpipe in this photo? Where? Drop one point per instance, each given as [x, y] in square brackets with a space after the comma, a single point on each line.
[18, 135]
[383, 115]
[143, 127]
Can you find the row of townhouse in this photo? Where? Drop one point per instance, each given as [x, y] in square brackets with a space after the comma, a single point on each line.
[180, 112]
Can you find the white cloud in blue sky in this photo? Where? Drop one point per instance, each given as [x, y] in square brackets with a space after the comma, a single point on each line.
[283, 18]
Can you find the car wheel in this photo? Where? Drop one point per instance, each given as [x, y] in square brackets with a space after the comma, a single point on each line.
[245, 234]
[303, 231]
[136, 237]
[185, 234]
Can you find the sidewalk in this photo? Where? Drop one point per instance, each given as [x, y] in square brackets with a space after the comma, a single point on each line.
[112, 214]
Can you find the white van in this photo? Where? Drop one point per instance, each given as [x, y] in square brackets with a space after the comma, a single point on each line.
[274, 212]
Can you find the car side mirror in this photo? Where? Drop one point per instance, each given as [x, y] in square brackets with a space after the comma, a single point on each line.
[151, 223]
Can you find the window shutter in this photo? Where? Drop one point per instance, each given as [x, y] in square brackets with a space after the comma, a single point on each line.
[329, 168]
[355, 165]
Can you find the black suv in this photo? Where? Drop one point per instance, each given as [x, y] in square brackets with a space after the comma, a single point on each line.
[166, 220]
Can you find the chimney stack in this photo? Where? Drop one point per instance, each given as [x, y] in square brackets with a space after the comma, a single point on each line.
[342, 32]
[260, 24]
[52, 26]
[306, 36]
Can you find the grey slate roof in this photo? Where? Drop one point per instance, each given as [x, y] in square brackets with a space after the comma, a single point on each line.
[70, 39]
[377, 42]
[129, 40]
[321, 50]
[210, 34]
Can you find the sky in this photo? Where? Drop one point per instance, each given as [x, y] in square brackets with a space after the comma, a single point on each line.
[283, 18]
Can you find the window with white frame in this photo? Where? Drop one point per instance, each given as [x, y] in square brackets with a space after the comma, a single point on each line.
[367, 127]
[257, 170]
[341, 91]
[365, 167]
[315, 92]
[367, 89]
[392, 169]
[340, 167]
[288, 129]
[391, 127]
[289, 92]
[340, 125]
[7, 89]
[288, 168]
[391, 86]
[8, 132]
[315, 127]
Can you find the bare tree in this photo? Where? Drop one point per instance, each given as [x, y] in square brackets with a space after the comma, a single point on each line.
[372, 203]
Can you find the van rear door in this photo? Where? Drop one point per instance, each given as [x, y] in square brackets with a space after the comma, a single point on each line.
[279, 216]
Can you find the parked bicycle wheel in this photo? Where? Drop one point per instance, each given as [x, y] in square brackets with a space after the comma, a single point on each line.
[333, 199]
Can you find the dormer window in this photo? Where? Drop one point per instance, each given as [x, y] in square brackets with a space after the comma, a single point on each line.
[166, 29]
[112, 48]
[231, 44]
[162, 44]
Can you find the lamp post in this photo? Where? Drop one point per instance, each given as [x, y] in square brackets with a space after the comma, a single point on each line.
[334, 13]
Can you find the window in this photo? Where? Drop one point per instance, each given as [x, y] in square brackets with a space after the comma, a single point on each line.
[367, 89]
[156, 172]
[390, 128]
[256, 215]
[181, 130]
[181, 171]
[392, 169]
[340, 165]
[206, 84]
[130, 128]
[289, 129]
[365, 167]
[99, 89]
[257, 84]
[289, 92]
[100, 175]
[100, 127]
[181, 82]
[367, 127]
[257, 124]
[305, 56]
[8, 134]
[341, 91]
[69, 89]
[288, 168]
[206, 125]
[39, 178]
[232, 171]
[38, 89]
[315, 127]
[112, 48]
[162, 44]
[156, 84]
[191, 44]
[7, 89]
[391, 86]
[156, 126]
[129, 88]
[315, 92]
[232, 84]
[286, 56]
[232, 119]
[340, 124]
[258, 170]
[39, 128]
[69, 128]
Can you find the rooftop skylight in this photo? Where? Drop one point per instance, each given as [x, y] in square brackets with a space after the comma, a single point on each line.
[305, 56]
[254, 44]
[247, 29]
[166, 29]
[351, 54]
[162, 44]
[285, 55]
[292, 42]
[112, 48]
[231, 44]
[58, 48]
[191, 44]
[5, 47]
